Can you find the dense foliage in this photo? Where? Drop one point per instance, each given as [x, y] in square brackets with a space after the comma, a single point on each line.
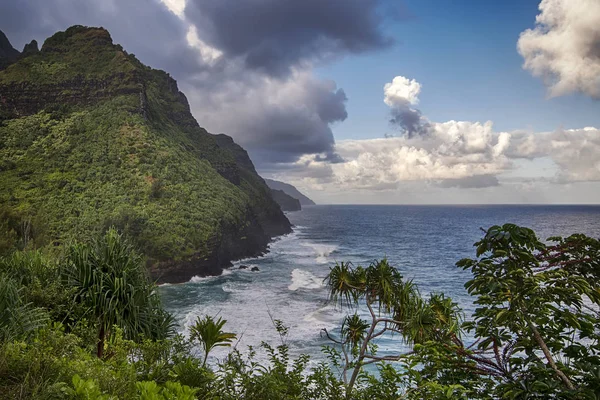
[91, 138]
[534, 334]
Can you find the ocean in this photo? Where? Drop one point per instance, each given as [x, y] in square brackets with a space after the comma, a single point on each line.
[423, 242]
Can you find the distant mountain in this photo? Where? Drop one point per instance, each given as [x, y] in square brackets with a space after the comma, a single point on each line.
[285, 201]
[290, 190]
[91, 138]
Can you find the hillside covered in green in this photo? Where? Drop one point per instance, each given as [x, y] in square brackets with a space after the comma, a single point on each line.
[92, 138]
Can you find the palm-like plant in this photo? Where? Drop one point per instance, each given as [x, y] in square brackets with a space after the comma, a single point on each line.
[111, 280]
[209, 332]
[395, 306]
[17, 318]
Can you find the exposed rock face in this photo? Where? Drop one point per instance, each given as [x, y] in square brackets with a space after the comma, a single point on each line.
[106, 140]
[30, 48]
[285, 201]
[8, 54]
[290, 191]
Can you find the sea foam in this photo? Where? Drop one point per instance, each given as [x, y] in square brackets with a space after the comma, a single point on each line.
[302, 279]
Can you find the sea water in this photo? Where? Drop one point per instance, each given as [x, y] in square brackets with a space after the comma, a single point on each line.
[423, 242]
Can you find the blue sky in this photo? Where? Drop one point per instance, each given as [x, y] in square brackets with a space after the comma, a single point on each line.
[465, 56]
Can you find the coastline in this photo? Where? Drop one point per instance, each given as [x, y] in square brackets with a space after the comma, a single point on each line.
[179, 272]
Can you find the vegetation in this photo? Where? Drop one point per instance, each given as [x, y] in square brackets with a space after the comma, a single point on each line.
[534, 334]
[91, 138]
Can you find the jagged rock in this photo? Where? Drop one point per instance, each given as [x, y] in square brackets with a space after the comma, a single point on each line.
[8, 54]
[255, 269]
[30, 48]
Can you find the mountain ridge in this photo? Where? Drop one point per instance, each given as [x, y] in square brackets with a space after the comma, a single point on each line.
[290, 190]
[91, 137]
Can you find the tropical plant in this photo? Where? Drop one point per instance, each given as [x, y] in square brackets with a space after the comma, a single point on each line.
[111, 281]
[535, 332]
[209, 333]
[17, 318]
[394, 306]
[537, 322]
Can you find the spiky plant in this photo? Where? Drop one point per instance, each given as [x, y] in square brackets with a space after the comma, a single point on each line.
[17, 318]
[112, 282]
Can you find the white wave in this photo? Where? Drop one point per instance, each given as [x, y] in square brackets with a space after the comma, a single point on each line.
[302, 279]
[198, 279]
[322, 251]
[229, 287]
[324, 317]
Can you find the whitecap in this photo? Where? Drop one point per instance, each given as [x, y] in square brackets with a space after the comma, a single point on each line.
[302, 279]
[198, 279]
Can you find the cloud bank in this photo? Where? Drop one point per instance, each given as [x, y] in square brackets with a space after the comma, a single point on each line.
[452, 154]
[564, 46]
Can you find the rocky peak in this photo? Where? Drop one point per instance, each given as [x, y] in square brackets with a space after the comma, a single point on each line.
[8, 54]
[78, 38]
[30, 48]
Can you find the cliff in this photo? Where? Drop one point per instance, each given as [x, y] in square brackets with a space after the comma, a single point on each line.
[290, 191]
[285, 201]
[8, 54]
[90, 137]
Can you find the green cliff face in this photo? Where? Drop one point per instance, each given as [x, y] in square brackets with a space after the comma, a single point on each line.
[90, 137]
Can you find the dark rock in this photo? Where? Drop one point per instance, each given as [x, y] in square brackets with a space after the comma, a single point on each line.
[8, 54]
[243, 267]
[30, 48]
[255, 269]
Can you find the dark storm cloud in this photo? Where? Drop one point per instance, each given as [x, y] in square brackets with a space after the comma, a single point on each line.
[144, 27]
[471, 182]
[261, 90]
[297, 123]
[409, 121]
[276, 35]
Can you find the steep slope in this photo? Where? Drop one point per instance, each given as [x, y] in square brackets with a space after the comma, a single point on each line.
[290, 191]
[8, 54]
[90, 137]
[285, 201]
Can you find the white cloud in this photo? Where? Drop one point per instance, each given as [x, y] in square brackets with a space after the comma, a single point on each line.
[564, 46]
[452, 154]
[576, 152]
[208, 55]
[401, 90]
[177, 7]
[453, 150]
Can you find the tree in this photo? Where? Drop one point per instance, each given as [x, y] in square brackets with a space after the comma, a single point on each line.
[535, 332]
[537, 321]
[394, 305]
[111, 281]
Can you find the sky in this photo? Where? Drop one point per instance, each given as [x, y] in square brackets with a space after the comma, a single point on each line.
[376, 101]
